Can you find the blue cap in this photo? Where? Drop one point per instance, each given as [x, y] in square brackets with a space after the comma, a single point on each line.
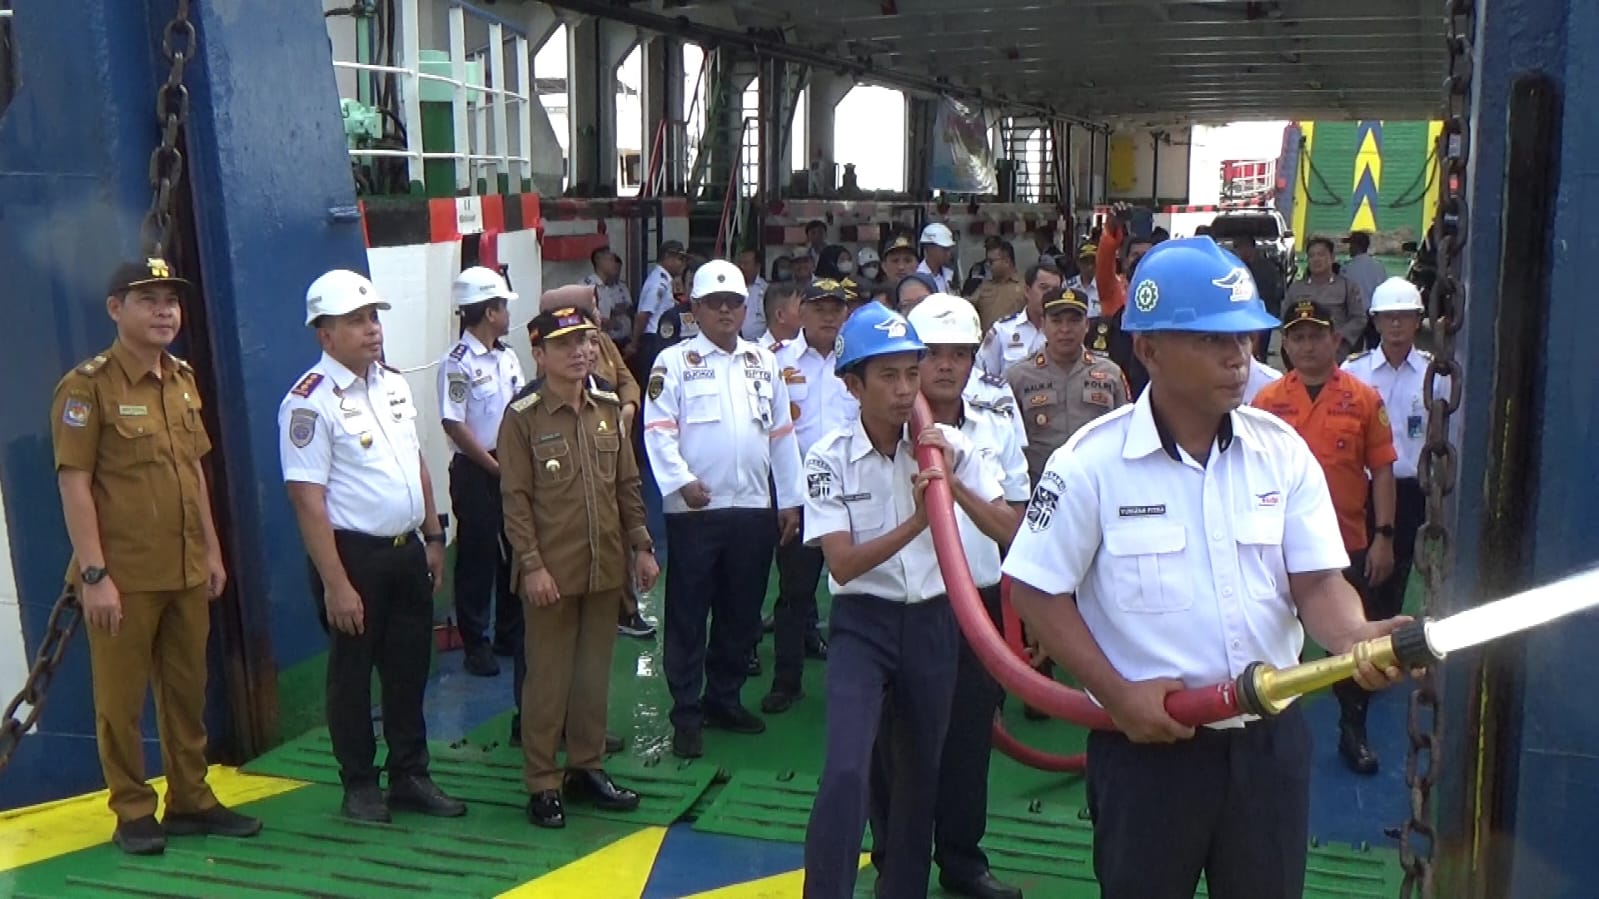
[874, 330]
[1192, 284]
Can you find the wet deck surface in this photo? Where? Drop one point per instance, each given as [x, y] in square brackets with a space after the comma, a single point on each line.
[727, 825]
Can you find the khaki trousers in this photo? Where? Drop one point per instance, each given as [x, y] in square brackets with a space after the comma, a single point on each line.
[569, 673]
[161, 643]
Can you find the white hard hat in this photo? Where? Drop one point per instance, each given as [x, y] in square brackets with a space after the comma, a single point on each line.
[718, 276]
[340, 292]
[946, 319]
[479, 285]
[938, 233]
[866, 256]
[1396, 295]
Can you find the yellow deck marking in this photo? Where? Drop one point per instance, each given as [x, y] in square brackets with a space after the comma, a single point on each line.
[42, 832]
[621, 869]
[779, 886]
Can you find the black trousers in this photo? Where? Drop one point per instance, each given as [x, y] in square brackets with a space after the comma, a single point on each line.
[397, 641]
[482, 558]
[715, 586]
[1387, 599]
[1231, 804]
[960, 818]
[799, 572]
[881, 653]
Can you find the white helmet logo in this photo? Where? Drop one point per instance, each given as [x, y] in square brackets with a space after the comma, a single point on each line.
[894, 327]
[1240, 282]
[1146, 296]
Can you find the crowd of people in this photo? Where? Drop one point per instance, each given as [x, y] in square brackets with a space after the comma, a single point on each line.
[1168, 508]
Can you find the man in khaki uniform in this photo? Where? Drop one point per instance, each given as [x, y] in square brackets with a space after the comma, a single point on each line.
[145, 557]
[1003, 294]
[570, 486]
[1065, 386]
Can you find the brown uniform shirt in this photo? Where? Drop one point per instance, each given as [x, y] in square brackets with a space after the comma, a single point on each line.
[613, 368]
[139, 437]
[570, 485]
[997, 299]
[1055, 401]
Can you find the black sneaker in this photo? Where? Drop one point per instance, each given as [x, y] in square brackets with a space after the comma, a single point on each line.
[217, 821]
[635, 626]
[418, 793]
[544, 809]
[780, 700]
[687, 744]
[141, 836]
[736, 719]
[480, 662]
[365, 803]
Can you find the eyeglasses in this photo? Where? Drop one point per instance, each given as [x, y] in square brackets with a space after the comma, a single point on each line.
[721, 302]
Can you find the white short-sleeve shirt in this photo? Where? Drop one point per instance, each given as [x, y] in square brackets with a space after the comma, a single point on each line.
[994, 441]
[1181, 569]
[475, 385]
[356, 437]
[852, 488]
[1403, 394]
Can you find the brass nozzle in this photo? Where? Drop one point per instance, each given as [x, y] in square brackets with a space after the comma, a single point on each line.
[1264, 690]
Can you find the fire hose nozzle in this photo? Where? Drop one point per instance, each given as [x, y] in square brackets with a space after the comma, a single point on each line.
[1264, 690]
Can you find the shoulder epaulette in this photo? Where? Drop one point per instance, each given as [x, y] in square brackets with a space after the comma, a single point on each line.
[307, 385]
[527, 397]
[993, 380]
[458, 352]
[1360, 355]
[182, 365]
[1015, 315]
[1426, 354]
[93, 365]
[1001, 409]
[603, 390]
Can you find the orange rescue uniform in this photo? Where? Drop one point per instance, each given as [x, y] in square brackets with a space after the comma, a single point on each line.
[1347, 428]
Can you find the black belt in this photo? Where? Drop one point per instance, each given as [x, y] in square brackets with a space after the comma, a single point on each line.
[373, 540]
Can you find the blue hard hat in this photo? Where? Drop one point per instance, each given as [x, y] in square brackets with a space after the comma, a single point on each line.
[1192, 284]
[874, 330]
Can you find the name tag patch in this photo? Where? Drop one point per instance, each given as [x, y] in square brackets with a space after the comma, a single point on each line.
[699, 374]
[133, 410]
[1142, 511]
[855, 497]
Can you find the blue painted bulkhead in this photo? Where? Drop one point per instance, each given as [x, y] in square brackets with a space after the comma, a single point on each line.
[266, 159]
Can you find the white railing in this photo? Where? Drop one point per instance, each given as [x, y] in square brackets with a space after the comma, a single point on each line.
[481, 113]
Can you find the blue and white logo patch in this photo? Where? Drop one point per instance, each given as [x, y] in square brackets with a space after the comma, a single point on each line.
[1241, 284]
[1146, 296]
[302, 427]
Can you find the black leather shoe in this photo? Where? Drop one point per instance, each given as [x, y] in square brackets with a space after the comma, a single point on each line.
[545, 809]
[418, 793]
[737, 719]
[815, 646]
[687, 744]
[983, 886]
[141, 836]
[217, 821]
[597, 789]
[1352, 746]
[365, 804]
[780, 700]
[752, 666]
[480, 662]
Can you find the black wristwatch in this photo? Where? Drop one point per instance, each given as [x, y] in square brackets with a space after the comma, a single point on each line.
[93, 575]
[1384, 530]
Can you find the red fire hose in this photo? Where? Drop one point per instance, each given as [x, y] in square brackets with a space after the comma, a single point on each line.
[1193, 707]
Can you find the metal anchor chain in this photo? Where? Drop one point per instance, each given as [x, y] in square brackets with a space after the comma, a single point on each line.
[178, 44]
[1439, 464]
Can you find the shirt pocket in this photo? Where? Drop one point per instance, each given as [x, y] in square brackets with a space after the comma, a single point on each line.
[866, 516]
[1260, 554]
[606, 449]
[1015, 350]
[135, 443]
[702, 402]
[1148, 573]
[553, 464]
